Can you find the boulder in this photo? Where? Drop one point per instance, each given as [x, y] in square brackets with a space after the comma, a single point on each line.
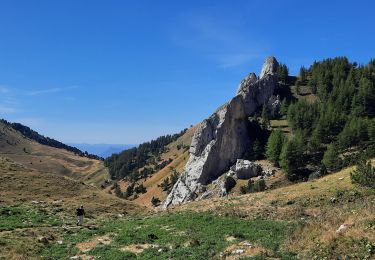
[217, 189]
[245, 169]
[224, 137]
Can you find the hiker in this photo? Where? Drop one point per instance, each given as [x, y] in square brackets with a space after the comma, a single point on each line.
[80, 214]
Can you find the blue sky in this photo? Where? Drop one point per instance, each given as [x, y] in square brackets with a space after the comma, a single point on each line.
[128, 71]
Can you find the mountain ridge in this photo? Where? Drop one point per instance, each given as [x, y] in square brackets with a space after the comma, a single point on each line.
[34, 135]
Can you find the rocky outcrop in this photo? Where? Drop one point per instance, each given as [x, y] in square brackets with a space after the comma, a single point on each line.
[217, 190]
[250, 79]
[269, 67]
[244, 169]
[224, 137]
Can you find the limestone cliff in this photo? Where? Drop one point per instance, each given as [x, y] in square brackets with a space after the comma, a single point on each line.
[224, 137]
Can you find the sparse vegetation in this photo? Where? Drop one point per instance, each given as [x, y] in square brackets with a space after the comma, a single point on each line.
[253, 186]
[155, 201]
[169, 182]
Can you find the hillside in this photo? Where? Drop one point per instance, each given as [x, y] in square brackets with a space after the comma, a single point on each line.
[326, 218]
[267, 176]
[36, 204]
[40, 188]
[41, 139]
[44, 158]
[176, 154]
[307, 126]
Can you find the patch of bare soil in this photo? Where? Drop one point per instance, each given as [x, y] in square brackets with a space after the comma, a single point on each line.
[88, 245]
[138, 248]
[242, 249]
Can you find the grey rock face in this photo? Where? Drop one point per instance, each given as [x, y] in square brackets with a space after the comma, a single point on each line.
[216, 144]
[224, 137]
[274, 104]
[250, 79]
[218, 190]
[245, 169]
[258, 93]
[269, 67]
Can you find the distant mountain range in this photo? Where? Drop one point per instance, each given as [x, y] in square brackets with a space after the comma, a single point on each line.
[102, 150]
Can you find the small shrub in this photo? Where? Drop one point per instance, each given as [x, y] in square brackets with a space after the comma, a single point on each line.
[364, 175]
[155, 201]
[319, 173]
[229, 183]
[259, 185]
[253, 186]
[243, 189]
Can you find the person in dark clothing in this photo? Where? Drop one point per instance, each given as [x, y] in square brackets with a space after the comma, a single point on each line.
[80, 212]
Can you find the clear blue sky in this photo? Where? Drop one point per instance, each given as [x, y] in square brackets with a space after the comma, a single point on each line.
[128, 71]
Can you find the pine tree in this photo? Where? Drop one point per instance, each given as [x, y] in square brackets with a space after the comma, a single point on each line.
[118, 192]
[284, 107]
[298, 87]
[259, 185]
[257, 149]
[274, 146]
[366, 94]
[371, 131]
[265, 117]
[303, 74]
[291, 157]
[165, 184]
[155, 201]
[283, 73]
[331, 158]
[364, 175]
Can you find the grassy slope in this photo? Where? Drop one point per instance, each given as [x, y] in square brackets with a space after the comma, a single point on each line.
[299, 219]
[34, 203]
[24, 185]
[295, 221]
[320, 207]
[44, 158]
[179, 156]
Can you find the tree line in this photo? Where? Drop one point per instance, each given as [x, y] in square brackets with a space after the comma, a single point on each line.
[128, 162]
[327, 133]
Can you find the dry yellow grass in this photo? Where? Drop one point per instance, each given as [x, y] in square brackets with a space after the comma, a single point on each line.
[325, 186]
[151, 184]
[19, 185]
[44, 158]
[179, 158]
